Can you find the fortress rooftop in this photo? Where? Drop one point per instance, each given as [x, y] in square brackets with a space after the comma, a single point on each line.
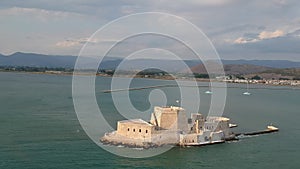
[136, 121]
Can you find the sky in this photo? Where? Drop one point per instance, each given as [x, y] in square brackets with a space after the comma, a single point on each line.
[239, 29]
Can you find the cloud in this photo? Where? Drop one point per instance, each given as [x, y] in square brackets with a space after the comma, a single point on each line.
[80, 41]
[242, 40]
[283, 47]
[210, 2]
[296, 33]
[264, 35]
[269, 35]
[281, 2]
[75, 42]
[67, 44]
[232, 25]
[41, 14]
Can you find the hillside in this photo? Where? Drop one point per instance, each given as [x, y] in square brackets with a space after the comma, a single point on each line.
[267, 68]
[245, 69]
[249, 71]
[232, 69]
[290, 73]
[34, 59]
[41, 60]
[265, 63]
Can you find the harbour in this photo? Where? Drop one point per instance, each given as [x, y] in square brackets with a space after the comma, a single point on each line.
[29, 101]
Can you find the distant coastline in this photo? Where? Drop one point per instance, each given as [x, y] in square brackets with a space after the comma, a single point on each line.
[154, 75]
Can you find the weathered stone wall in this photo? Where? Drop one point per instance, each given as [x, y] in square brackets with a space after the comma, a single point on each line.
[135, 131]
[224, 126]
[189, 138]
[182, 122]
[171, 118]
[165, 137]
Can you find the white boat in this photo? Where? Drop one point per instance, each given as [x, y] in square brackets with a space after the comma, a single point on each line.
[271, 127]
[247, 92]
[208, 92]
[232, 125]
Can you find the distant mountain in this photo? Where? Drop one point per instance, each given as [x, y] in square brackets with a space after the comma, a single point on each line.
[267, 63]
[37, 60]
[167, 65]
[233, 69]
[41, 60]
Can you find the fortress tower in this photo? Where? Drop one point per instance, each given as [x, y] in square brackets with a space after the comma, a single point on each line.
[170, 118]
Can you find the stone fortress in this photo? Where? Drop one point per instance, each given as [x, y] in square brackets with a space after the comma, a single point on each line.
[170, 125]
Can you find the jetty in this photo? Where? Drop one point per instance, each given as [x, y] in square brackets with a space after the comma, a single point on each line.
[269, 129]
[139, 88]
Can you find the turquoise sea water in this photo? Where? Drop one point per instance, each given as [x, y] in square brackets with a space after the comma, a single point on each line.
[39, 128]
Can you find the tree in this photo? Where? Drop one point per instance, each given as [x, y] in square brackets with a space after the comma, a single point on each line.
[256, 77]
[203, 76]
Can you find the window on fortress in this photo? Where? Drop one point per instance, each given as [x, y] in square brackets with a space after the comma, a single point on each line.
[133, 130]
[140, 130]
[146, 131]
[128, 129]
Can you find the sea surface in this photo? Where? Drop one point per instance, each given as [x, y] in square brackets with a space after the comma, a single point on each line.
[39, 127]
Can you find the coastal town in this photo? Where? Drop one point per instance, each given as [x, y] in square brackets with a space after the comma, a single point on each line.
[265, 81]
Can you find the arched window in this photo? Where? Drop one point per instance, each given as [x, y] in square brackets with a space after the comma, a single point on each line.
[128, 129]
[133, 130]
[146, 131]
[140, 130]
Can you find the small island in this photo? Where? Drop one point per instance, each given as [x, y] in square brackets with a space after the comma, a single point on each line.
[170, 126]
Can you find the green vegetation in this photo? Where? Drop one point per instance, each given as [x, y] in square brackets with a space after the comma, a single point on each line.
[256, 77]
[283, 78]
[239, 77]
[33, 69]
[152, 72]
[202, 76]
